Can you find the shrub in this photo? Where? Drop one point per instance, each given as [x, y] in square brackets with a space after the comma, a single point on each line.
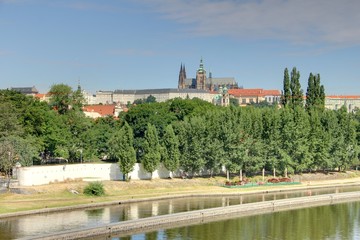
[94, 189]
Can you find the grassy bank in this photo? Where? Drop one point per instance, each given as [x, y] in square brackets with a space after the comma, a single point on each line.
[60, 194]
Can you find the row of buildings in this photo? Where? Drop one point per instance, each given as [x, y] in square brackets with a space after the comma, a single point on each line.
[218, 91]
[203, 86]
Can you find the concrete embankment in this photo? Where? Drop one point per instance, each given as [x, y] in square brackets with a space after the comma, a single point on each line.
[202, 216]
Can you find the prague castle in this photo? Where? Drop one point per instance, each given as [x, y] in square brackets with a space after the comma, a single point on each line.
[203, 82]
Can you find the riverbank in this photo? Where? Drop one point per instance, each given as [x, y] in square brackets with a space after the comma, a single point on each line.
[63, 195]
[153, 223]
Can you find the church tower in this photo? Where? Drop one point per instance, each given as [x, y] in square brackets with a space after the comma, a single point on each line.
[201, 76]
[182, 77]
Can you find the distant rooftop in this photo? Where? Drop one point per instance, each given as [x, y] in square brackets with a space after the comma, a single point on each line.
[26, 90]
[159, 91]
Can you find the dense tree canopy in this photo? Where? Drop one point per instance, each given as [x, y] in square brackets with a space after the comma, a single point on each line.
[187, 135]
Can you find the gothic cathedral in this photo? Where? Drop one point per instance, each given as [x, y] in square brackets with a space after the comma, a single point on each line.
[201, 82]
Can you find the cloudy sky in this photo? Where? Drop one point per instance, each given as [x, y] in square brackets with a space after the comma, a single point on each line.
[136, 44]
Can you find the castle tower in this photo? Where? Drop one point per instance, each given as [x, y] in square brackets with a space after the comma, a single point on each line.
[182, 77]
[212, 88]
[201, 76]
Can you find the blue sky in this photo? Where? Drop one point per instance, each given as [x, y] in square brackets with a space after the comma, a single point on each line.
[136, 44]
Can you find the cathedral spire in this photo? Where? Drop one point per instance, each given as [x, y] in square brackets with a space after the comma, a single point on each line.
[201, 67]
[182, 77]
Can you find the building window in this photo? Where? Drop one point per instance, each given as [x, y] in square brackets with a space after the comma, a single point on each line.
[243, 101]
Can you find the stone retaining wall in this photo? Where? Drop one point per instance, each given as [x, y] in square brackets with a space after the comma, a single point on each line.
[202, 216]
[40, 175]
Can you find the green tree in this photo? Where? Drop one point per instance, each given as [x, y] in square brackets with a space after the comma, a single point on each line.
[95, 139]
[310, 92]
[138, 101]
[25, 150]
[295, 87]
[9, 123]
[7, 159]
[286, 94]
[357, 123]
[152, 151]
[139, 116]
[15, 150]
[78, 99]
[171, 146]
[191, 134]
[344, 149]
[121, 149]
[319, 141]
[272, 138]
[60, 97]
[216, 128]
[189, 107]
[150, 99]
[315, 94]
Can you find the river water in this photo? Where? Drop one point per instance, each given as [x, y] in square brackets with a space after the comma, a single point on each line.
[39, 224]
[332, 222]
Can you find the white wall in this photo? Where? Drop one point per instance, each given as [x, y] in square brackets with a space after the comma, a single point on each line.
[40, 175]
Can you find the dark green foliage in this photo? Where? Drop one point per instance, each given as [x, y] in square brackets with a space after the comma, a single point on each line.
[262, 104]
[158, 114]
[170, 153]
[9, 123]
[152, 149]
[189, 107]
[121, 149]
[315, 94]
[60, 97]
[234, 102]
[286, 94]
[190, 135]
[94, 189]
[149, 99]
[295, 87]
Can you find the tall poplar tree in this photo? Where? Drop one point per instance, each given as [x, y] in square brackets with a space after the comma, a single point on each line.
[121, 147]
[319, 141]
[152, 149]
[295, 87]
[319, 93]
[310, 92]
[193, 134]
[171, 157]
[315, 93]
[286, 94]
[272, 137]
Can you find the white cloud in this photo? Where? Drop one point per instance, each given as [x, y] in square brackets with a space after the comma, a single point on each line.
[296, 21]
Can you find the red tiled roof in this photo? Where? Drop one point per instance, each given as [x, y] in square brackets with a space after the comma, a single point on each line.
[250, 92]
[103, 110]
[40, 95]
[245, 92]
[344, 96]
[272, 92]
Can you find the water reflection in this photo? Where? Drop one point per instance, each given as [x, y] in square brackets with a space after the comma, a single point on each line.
[341, 221]
[34, 225]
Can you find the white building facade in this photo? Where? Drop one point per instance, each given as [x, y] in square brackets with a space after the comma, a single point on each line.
[124, 97]
[336, 102]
